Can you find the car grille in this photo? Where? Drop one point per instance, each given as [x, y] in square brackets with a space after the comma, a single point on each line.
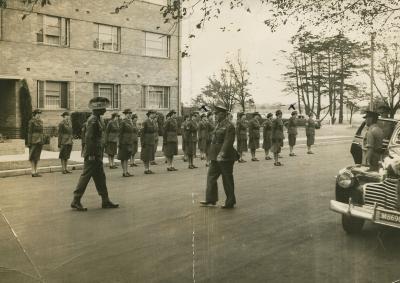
[384, 194]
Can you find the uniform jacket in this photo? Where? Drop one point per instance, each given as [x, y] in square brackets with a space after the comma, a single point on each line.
[64, 133]
[203, 130]
[155, 123]
[83, 133]
[374, 138]
[135, 136]
[126, 131]
[210, 126]
[277, 129]
[310, 127]
[222, 141]
[35, 131]
[254, 129]
[241, 130]
[170, 131]
[94, 137]
[190, 131]
[292, 126]
[148, 130]
[267, 129]
[112, 131]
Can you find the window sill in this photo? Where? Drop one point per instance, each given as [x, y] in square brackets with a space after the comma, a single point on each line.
[53, 110]
[108, 51]
[156, 57]
[53, 45]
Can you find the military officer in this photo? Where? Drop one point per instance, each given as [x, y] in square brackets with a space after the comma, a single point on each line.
[183, 125]
[254, 135]
[35, 140]
[65, 141]
[267, 131]
[222, 159]
[190, 132]
[203, 134]
[111, 139]
[135, 138]
[241, 135]
[310, 132]
[170, 139]
[125, 145]
[93, 156]
[277, 136]
[155, 123]
[147, 141]
[372, 141]
[292, 132]
[210, 129]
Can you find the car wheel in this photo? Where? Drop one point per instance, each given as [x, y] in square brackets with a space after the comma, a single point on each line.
[352, 225]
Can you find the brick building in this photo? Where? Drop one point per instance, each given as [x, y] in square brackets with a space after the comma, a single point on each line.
[71, 51]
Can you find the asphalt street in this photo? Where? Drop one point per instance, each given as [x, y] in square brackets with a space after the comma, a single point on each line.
[281, 230]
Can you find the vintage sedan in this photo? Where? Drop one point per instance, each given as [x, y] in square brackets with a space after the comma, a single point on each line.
[361, 194]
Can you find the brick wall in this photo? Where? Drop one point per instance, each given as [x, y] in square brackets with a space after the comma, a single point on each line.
[80, 64]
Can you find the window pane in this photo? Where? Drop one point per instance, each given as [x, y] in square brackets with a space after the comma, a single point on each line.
[52, 21]
[156, 45]
[53, 40]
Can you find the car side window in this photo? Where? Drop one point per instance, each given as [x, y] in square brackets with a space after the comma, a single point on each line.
[361, 130]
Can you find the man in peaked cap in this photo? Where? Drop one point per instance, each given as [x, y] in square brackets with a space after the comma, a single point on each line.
[222, 157]
[93, 156]
[372, 144]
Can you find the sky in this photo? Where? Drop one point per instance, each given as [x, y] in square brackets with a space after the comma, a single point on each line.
[259, 48]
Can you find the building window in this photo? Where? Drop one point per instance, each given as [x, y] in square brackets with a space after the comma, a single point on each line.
[157, 45]
[110, 91]
[108, 38]
[155, 97]
[52, 95]
[53, 30]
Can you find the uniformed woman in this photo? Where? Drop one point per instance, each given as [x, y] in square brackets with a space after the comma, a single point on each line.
[125, 141]
[111, 139]
[135, 139]
[210, 126]
[155, 122]
[310, 132]
[65, 141]
[277, 136]
[147, 141]
[254, 135]
[292, 132]
[203, 135]
[170, 139]
[186, 119]
[241, 135]
[35, 140]
[190, 132]
[267, 131]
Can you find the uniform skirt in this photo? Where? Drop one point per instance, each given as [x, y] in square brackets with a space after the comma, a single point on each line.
[242, 145]
[34, 152]
[202, 145]
[124, 151]
[134, 148]
[170, 149]
[111, 148]
[190, 148]
[65, 151]
[267, 143]
[254, 144]
[292, 140]
[147, 153]
[276, 146]
[310, 140]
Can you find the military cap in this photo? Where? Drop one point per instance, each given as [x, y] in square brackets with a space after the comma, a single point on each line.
[151, 111]
[36, 111]
[220, 108]
[203, 115]
[170, 113]
[277, 112]
[134, 116]
[269, 115]
[127, 110]
[194, 113]
[115, 114]
[99, 102]
[372, 114]
[256, 114]
[294, 113]
[66, 113]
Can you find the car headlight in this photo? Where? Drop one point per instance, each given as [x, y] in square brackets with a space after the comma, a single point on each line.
[345, 179]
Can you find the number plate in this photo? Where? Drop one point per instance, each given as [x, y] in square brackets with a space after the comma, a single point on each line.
[386, 217]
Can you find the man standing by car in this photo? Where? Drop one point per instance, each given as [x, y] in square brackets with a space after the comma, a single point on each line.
[222, 157]
[372, 141]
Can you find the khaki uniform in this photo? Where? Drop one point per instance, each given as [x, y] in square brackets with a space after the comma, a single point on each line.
[241, 136]
[170, 138]
[65, 139]
[310, 131]
[35, 138]
[292, 131]
[373, 146]
[147, 140]
[190, 132]
[254, 134]
[111, 137]
[267, 132]
[277, 135]
[125, 146]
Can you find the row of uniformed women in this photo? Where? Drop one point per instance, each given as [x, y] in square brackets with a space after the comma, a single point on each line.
[273, 135]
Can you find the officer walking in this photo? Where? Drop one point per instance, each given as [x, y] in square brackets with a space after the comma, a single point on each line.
[65, 141]
[292, 132]
[93, 156]
[254, 135]
[222, 158]
[35, 140]
[111, 139]
[372, 141]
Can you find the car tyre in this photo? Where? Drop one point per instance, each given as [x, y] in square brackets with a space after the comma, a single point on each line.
[352, 225]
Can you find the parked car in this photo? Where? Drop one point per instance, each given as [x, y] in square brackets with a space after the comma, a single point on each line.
[361, 194]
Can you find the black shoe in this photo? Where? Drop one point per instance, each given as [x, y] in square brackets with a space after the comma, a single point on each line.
[153, 163]
[148, 172]
[76, 203]
[204, 202]
[109, 204]
[255, 159]
[227, 206]
[64, 172]
[127, 174]
[267, 158]
[36, 175]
